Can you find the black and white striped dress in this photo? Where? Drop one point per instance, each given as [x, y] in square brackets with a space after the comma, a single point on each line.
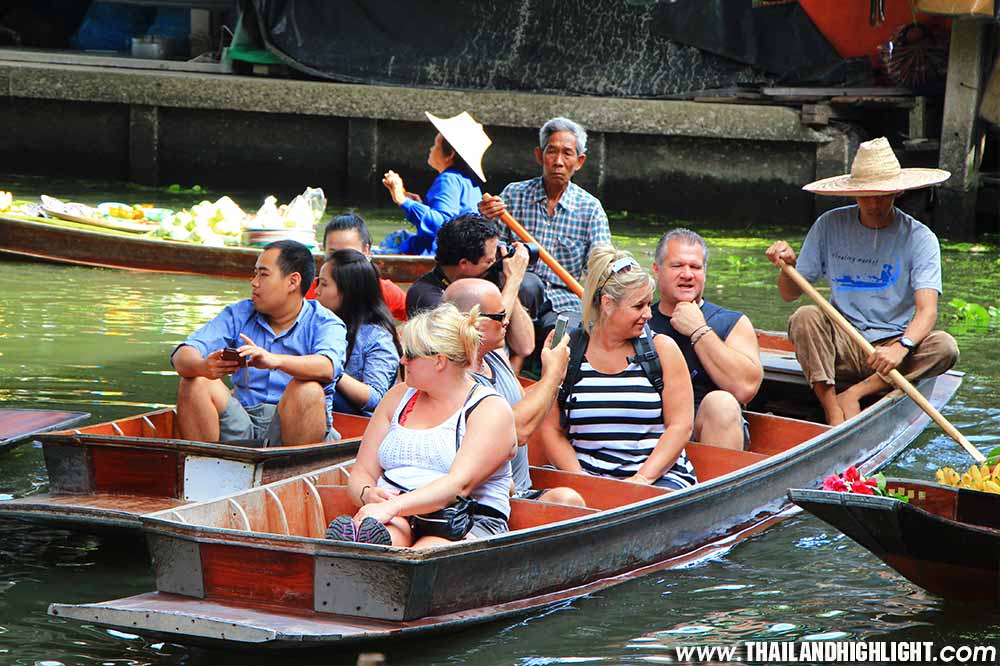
[615, 422]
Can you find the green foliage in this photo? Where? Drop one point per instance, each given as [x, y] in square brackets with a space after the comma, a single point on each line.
[993, 457]
[177, 189]
[738, 263]
[880, 478]
[973, 314]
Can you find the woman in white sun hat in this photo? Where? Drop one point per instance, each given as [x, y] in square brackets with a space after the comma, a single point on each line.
[457, 156]
[884, 272]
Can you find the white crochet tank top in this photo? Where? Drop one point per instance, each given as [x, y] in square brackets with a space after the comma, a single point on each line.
[412, 458]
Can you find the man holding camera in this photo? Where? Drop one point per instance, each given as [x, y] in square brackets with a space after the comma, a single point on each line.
[469, 247]
[564, 218]
[281, 350]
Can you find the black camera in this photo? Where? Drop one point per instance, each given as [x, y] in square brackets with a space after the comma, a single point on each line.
[505, 251]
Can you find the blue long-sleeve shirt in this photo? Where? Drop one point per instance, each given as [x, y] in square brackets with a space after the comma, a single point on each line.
[374, 361]
[451, 194]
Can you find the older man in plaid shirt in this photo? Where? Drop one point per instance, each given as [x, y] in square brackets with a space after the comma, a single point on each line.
[564, 218]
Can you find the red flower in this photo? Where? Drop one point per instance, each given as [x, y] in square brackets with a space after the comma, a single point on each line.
[862, 487]
[835, 483]
[851, 474]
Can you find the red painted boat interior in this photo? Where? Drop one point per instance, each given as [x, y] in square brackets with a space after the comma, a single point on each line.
[303, 507]
[135, 471]
[938, 500]
[257, 577]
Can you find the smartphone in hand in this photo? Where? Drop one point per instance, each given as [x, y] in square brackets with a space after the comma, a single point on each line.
[232, 355]
[561, 322]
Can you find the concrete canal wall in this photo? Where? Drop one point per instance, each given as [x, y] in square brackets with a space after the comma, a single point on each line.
[693, 160]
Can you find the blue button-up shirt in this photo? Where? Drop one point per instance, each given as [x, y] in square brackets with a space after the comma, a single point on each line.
[578, 225]
[316, 331]
[374, 361]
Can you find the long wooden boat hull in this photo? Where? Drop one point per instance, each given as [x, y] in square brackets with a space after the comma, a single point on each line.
[246, 551]
[946, 540]
[106, 475]
[17, 425]
[77, 244]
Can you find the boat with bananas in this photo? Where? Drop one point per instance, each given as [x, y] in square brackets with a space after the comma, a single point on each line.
[104, 476]
[254, 568]
[76, 242]
[943, 538]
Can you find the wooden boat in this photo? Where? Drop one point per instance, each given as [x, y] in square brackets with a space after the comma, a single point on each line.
[946, 540]
[106, 475]
[16, 425]
[115, 224]
[72, 243]
[254, 568]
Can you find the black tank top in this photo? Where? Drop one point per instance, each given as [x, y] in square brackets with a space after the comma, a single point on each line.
[722, 322]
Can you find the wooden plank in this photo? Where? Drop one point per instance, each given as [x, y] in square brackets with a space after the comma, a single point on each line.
[834, 91]
[135, 471]
[771, 434]
[259, 577]
[598, 492]
[19, 424]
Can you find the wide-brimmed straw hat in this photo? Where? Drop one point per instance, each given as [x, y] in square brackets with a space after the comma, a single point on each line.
[874, 172]
[466, 136]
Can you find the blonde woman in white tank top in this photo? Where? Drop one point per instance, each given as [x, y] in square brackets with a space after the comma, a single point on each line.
[421, 453]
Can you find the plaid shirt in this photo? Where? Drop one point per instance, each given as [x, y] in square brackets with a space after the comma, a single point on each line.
[579, 224]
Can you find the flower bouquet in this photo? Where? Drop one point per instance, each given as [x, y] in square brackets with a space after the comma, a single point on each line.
[852, 481]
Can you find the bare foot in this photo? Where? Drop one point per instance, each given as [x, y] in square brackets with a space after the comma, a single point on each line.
[849, 405]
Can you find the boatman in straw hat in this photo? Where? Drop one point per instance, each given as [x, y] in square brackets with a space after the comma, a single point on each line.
[457, 156]
[884, 272]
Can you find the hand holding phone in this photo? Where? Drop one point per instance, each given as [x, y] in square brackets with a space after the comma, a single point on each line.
[562, 321]
[232, 355]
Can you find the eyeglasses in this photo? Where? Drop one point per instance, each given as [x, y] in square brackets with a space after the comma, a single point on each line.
[495, 316]
[623, 265]
[410, 355]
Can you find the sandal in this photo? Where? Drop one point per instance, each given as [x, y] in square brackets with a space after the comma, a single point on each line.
[342, 529]
[372, 531]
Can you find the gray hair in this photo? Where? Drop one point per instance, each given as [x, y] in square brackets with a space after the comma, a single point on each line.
[685, 236]
[560, 124]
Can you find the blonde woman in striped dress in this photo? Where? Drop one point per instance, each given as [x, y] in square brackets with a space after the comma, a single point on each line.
[617, 424]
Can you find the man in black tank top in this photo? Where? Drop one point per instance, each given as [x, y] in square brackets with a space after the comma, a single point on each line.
[719, 345]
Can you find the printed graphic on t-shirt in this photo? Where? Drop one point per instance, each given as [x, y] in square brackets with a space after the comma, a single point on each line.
[870, 282]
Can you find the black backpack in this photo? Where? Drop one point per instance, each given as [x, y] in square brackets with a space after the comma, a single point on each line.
[645, 356]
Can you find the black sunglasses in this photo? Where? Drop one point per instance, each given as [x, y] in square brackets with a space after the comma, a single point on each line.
[495, 316]
[410, 355]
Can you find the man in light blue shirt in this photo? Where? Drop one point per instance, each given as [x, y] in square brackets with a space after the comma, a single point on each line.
[884, 271]
[287, 350]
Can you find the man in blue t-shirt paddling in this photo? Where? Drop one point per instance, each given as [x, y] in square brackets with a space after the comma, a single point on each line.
[719, 345]
[884, 272]
[281, 351]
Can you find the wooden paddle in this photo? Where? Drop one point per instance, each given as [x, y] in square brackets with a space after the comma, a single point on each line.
[549, 260]
[894, 375]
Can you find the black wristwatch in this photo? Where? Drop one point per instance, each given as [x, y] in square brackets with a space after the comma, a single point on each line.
[908, 343]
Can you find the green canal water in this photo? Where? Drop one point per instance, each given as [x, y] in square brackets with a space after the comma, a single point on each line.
[98, 341]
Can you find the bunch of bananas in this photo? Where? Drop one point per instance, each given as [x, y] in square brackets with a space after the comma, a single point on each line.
[6, 200]
[978, 477]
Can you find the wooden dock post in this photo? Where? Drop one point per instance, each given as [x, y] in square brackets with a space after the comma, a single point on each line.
[961, 135]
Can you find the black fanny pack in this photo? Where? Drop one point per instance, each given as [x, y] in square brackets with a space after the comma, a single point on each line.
[452, 522]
